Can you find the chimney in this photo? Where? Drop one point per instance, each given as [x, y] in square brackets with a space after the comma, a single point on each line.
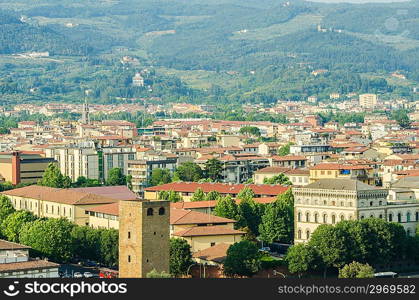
[15, 168]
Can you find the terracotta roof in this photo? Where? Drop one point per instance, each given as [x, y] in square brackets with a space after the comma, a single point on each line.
[65, 196]
[223, 188]
[182, 216]
[193, 204]
[269, 170]
[109, 209]
[6, 245]
[120, 192]
[289, 157]
[27, 265]
[215, 253]
[336, 166]
[207, 231]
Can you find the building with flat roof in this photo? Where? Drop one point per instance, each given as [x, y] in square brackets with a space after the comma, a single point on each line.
[368, 100]
[23, 167]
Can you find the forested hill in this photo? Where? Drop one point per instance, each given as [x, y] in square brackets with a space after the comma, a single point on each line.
[17, 37]
[224, 50]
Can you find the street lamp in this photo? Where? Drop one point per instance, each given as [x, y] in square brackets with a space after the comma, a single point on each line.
[275, 272]
[187, 272]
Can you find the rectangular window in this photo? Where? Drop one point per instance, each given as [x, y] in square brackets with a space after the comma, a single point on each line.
[129, 258]
[129, 234]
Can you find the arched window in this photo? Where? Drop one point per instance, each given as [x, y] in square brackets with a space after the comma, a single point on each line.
[325, 218]
[333, 203]
[299, 234]
[381, 216]
[308, 234]
[408, 232]
[417, 216]
[390, 217]
[408, 217]
[399, 217]
[371, 216]
[299, 217]
[371, 203]
[149, 211]
[380, 203]
[307, 217]
[316, 218]
[333, 219]
[342, 217]
[362, 217]
[161, 211]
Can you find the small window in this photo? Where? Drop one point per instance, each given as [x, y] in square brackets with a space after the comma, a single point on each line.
[399, 217]
[371, 203]
[129, 258]
[212, 244]
[149, 211]
[390, 217]
[161, 211]
[299, 234]
[129, 234]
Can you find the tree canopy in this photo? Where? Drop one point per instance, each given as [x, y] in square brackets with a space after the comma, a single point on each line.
[53, 178]
[180, 257]
[243, 259]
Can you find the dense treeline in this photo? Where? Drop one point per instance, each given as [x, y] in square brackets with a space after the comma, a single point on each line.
[58, 239]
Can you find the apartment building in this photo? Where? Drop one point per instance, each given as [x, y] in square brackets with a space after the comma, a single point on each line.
[23, 167]
[90, 161]
[368, 100]
[141, 170]
[362, 173]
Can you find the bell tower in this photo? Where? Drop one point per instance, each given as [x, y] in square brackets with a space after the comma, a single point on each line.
[144, 237]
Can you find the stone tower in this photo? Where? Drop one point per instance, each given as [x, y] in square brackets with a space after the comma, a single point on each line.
[144, 237]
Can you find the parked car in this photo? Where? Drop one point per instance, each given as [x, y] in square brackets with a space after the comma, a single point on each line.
[87, 275]
[265, 249]
[386, 275]
[77, 275]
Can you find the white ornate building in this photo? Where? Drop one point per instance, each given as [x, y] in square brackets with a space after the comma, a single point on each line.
[329, 201]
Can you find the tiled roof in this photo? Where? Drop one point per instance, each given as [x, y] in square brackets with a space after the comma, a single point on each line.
[207, 231]
[215, 253]
[27, 265]
[336, 166]
[270, 170]
[120, 192]
[6, 245]
[109, 209]
[289, 157]
[65, 196]
[182, 216]
[223, 188]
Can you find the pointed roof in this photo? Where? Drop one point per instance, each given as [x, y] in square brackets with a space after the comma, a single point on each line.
[64, 196]
[183, 216]
[215, 253]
